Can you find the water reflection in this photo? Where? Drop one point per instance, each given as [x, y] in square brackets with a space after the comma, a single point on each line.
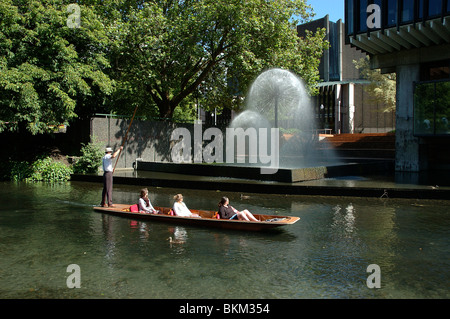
[142, 228]
[109, 236]
[344, 220]
[178, 238]
[325, 255]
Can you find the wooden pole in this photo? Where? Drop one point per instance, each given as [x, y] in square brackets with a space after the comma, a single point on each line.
[125, 138]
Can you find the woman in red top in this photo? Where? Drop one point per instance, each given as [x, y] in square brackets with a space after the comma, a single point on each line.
[228, 212]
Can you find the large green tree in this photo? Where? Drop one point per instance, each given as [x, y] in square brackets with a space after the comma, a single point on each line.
[160, 55]
[382, 87]
[52, 66]
[167, 53]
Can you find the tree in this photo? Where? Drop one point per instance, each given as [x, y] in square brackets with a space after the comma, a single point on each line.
[382, 87]
[166, 53]
[50, 71]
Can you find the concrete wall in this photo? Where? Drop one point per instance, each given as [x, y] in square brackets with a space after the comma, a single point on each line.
[407, 146]
[412, 153]
[147, 140]
[369, 115]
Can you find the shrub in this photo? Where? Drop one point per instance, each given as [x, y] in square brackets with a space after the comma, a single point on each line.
[43, 169]
[90, 160]
[48, 170]
[18, 171]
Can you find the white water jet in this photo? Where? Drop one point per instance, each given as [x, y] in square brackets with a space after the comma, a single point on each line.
[280, 99]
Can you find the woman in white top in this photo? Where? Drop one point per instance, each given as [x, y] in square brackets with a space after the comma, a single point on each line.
[144, 203]
[180, 209]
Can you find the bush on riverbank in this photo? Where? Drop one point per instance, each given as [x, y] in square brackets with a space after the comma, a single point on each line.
[51, 166]
[90, 160]
[48, 170]
[43, 169]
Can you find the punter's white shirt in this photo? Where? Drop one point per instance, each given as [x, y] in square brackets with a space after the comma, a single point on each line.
[107, 163]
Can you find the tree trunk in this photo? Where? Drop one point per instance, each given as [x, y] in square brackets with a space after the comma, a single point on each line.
[166, 110]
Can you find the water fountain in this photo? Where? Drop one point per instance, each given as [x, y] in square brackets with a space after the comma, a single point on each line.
[279, 99]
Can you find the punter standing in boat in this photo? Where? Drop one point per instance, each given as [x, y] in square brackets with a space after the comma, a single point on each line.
[226, 211]
[108, 176]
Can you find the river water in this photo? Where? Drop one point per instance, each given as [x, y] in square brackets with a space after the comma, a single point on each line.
[45, 228]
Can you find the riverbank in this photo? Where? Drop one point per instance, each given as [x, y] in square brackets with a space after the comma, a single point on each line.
[350, 186]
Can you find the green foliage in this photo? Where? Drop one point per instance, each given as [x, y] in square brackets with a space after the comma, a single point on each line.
[48, 170]
[175, 52]
[163, 56]
[18, 171]
[382, 87]
[49, 73]
[44, 169]
[90, 160]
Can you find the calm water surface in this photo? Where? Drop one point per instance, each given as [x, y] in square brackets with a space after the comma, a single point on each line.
[45, 228]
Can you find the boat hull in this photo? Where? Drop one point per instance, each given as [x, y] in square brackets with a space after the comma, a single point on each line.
[207, 219]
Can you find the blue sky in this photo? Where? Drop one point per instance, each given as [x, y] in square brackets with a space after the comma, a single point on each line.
[334, 8]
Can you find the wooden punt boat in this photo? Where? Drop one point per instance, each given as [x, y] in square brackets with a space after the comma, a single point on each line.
[207, 218]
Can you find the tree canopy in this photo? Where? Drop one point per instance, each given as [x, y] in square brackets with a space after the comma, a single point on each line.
[169, 52]
[160, 55]
[49, 73]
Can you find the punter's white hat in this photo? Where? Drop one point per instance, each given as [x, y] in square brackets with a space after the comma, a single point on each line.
[108, 149]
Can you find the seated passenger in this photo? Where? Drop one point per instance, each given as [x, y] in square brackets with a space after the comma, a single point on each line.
[144, 203]
[229, 212]
[180, 209]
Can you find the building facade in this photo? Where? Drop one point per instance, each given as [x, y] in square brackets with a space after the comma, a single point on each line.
[411, 38]
[343, 105]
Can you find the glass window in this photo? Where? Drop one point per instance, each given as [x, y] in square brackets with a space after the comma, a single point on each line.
[424, 109]
[378, 3]
[350, 17]
[448, 5]
[408, 10]
[434, 7]
[432, 108]
[442, 105]
[420, 13]
[363, 15]
[392, 12]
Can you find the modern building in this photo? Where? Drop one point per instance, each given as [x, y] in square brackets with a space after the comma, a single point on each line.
[411, 38]
[343, 105]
